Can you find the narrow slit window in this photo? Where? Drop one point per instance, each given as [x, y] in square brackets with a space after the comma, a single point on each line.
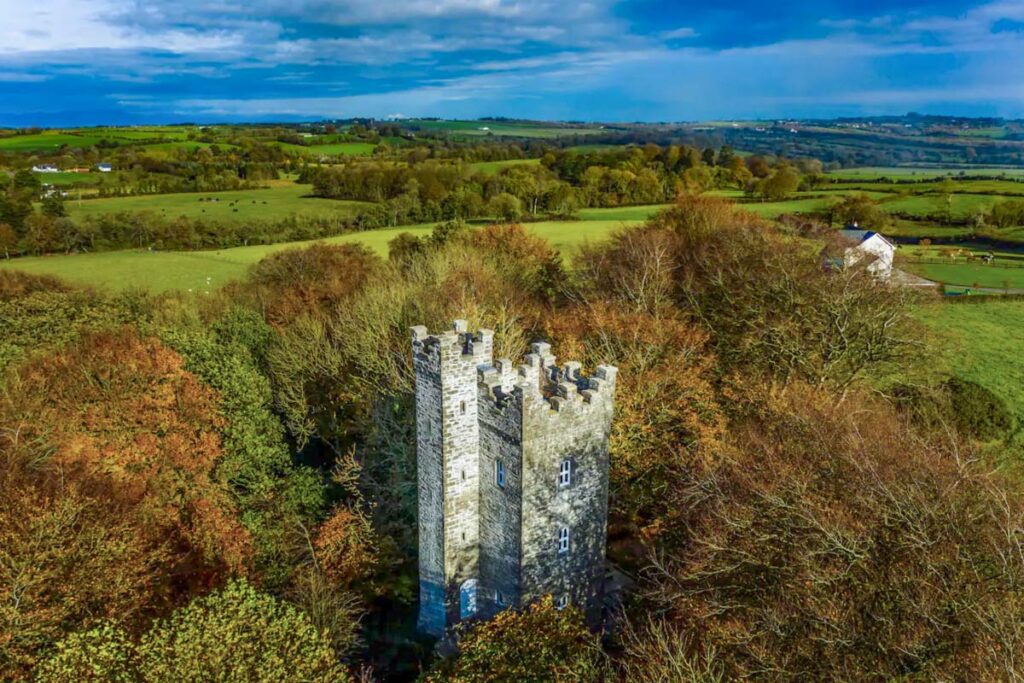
[462, 407]
[565, 473]
[499, 473]
[563, 540]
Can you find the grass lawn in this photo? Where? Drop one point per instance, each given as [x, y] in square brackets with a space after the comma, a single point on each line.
[276, 202]
[982, 342]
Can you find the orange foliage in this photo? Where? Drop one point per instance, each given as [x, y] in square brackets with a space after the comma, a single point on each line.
[345, 547]
[290, 283]
[107, 452]
[667, 421]
[513, 241]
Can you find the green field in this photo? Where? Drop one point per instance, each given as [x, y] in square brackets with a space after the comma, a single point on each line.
[274, 203]
[493, 167]
[519, 129]
[67, 178]
[623, 213]
[982, 342]
[922, 173]
[970, 275]
[49, 141]
[332, 149]
[200, 271]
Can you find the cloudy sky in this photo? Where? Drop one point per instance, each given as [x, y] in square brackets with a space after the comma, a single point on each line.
[66, 62]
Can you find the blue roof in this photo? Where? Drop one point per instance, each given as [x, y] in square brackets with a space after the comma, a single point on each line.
[856, 235]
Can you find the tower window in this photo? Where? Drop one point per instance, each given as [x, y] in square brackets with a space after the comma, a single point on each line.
[565, 473]
[462, 407]
[499, 473]
[499, 598]
[563, 602]
[563, 540]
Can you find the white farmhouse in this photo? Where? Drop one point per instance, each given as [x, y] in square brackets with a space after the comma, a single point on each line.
[865, 244]
[45, 168]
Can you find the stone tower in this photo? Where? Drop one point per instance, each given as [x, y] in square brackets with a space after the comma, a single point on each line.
[512, 468]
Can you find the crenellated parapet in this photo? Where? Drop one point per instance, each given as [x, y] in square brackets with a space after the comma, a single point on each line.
[451, 345]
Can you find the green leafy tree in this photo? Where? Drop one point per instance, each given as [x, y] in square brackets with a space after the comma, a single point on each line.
[101, 654]
[238, 634]
[539, 644]
[862, 210]
[234, 635]
[506, 207]
[779, 185]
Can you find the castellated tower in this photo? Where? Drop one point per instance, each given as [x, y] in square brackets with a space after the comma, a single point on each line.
[512, 467]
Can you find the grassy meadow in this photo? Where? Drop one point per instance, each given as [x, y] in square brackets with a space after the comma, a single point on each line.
[280, 200]
[201, 271]
[981, 342]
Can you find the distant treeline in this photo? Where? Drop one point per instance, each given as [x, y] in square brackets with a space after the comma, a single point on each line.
[559, 185]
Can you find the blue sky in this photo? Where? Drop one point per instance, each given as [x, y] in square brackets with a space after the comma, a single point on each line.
[65, 62]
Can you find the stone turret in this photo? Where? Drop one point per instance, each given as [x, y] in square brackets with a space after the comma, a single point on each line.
[512, 469]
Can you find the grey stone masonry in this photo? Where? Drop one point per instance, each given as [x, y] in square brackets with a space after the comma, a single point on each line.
[512, 471]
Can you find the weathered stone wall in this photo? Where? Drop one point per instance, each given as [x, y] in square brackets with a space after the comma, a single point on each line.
[448, 470]
[501, 436]
[572, 424]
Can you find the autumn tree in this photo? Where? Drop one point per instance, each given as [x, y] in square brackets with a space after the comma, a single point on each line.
[835, 542]
[8, 240]
[110, 506]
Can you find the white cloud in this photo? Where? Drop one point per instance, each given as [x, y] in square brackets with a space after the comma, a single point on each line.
[680, 33]
[62, 25]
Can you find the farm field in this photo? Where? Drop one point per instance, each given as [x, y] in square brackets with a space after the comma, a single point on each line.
[67, 178]
[981, 343]
[521, 129]
[921, 173]
[48, 141]
[273, 203]
[200, 271]
[970, 274]
[332, 149]
[961, 265]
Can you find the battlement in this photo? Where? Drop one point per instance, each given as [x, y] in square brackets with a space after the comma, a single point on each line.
[540, 378]
[454, 344]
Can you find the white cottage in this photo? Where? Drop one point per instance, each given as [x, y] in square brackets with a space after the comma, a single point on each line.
[865, 244]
